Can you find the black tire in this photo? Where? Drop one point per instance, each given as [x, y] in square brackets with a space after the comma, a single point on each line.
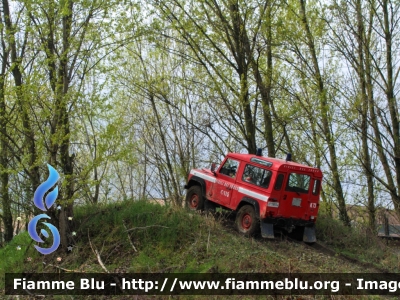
[246, 220]
[194, 198]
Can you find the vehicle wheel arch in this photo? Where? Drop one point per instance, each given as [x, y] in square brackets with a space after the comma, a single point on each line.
[197, 181]
[251, 201]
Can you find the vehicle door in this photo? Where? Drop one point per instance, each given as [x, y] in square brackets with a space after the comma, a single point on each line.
[254, 184]
[314, 198]
[225, 184]
[295, 195]
[277, 193]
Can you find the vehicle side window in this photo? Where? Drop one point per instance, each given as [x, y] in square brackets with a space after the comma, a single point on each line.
[317, 184]
[257, 176]
[298, 183]
[278, 182]
[230, 168]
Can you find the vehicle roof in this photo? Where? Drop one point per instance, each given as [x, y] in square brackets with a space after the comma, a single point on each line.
[277, 164]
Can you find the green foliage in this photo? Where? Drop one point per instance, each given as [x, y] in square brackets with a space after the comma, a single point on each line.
[14, 255]
[155, 89]
[187, 242]
[168, 226]
[357, 242]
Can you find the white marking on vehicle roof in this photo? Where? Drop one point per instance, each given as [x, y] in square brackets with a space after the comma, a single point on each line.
[204, 176]
[253, 194]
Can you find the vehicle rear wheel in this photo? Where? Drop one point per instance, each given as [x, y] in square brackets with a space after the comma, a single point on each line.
[246, 220]
[194, 198]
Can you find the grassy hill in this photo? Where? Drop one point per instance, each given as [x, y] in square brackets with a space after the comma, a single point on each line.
[144, 237]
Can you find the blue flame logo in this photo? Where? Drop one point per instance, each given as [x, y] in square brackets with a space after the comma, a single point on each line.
[39, 203]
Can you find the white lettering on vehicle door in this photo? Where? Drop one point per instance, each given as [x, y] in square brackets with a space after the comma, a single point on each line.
[224, 193]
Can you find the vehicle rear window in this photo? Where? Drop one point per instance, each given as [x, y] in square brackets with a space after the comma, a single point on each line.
[278, 183]
[317, 184]
[257, 176]
[298, 183]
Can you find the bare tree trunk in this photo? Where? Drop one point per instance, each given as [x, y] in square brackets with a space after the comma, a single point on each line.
[325, 118]
[4, 158]
[144, 187]
[391, 99]
[4, 177]
[235, 32]
[29, 134]
[1, 232]
[175, 188]
[240, 40]
[60, 130]
[265, 86]
[64, 127]
[361, 40]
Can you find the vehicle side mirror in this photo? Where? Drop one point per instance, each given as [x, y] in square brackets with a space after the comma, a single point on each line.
[213, 166]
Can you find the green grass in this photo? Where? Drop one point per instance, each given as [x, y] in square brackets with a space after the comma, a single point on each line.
[172, 240]
[357, 242]
[12, 258]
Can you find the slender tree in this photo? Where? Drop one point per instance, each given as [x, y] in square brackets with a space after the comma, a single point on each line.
[6, 214]
[324, 109]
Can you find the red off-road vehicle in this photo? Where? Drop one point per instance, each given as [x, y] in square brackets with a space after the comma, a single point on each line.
[263, 191]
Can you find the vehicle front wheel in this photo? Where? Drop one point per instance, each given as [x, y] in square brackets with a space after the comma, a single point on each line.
[246, 220]
[194, 198]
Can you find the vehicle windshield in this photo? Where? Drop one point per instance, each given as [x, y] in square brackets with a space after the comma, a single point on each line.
[298, 183]
[230, 168]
